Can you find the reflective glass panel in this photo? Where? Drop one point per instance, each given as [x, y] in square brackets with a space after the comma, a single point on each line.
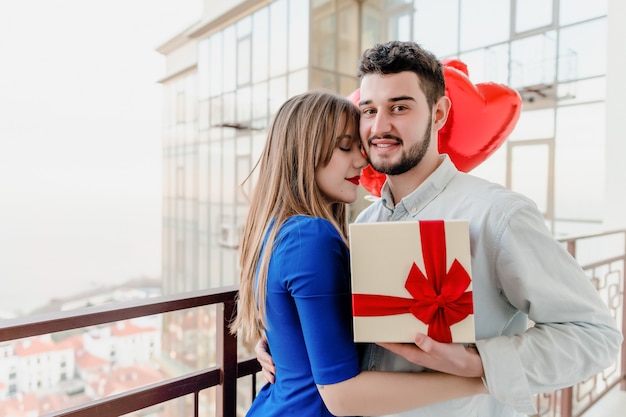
[278, 38]
[277, 94]
[298, 82]
[580, 162]
[371, 32]
[228, 171]
[529, 172]
[399, 26]
[533, 60]
[581, 91]
[347, 85]
[488, 64]
[348, 37]
[215, 112]
[437, 25]
[323, 31]
[532, 14]
[582, 50]
[203, 115]
[484, 22]
[298, 34]
[204, 69]
[323, 79]
[229, 60]
[228, 109]
[260, 47]
[259, 101]
[243, 61]
[216, 70]
[572, 11]
[244, 114]
[536, 124]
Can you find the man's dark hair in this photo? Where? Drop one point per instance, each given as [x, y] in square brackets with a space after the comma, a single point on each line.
[395, 56]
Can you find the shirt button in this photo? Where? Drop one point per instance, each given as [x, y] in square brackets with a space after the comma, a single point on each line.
[413, 210]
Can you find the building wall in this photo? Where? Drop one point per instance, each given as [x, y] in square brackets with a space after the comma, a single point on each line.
[615, 204]
[215, 120]
[554, 53]
[216, 115]
[213, 9]
[249, 61]
[227, 75]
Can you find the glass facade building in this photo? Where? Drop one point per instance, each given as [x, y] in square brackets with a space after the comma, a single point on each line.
[243, 63]
[227, 75]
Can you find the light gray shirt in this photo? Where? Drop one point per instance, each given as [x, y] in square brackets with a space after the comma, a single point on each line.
[519, 272]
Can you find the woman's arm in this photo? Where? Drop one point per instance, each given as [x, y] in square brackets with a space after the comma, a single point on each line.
[375, 393]
[316, 274]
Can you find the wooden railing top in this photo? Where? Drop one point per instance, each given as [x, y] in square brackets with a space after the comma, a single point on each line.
[46, 323]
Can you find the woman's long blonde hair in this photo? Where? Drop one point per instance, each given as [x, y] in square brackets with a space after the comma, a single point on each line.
[301, 138]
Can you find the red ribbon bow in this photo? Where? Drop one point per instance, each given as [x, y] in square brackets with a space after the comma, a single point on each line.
[439, 297]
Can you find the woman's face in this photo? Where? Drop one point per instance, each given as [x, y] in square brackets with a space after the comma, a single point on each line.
[339, 180]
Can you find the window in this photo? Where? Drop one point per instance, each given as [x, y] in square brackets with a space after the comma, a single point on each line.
[477, 16]
[533, 14]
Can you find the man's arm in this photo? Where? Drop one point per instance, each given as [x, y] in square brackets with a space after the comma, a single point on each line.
[451, 358]
[573, 335]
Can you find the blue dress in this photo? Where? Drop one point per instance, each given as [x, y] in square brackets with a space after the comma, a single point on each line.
[309, 319]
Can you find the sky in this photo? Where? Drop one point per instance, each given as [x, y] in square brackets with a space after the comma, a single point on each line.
[80, 143]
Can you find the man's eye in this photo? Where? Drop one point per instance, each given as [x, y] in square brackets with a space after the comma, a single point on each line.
[367, 111]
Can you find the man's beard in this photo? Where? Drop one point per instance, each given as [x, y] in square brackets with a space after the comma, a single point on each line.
[410, 157]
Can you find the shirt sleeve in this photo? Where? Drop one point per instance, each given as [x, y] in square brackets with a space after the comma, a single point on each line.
[317, 275]
[573, 336]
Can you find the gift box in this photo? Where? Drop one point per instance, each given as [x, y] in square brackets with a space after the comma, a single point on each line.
[411, 277]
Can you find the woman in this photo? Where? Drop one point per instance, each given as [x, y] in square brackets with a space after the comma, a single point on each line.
[295, 276]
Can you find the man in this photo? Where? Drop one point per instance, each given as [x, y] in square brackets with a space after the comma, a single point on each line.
[519, 270]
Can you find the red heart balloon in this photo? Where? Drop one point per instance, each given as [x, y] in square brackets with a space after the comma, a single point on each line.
[481, 118]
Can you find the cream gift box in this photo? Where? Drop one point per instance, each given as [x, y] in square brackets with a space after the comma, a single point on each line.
[411, 277]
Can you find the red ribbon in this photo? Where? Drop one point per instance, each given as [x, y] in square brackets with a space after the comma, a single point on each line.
[439, 297]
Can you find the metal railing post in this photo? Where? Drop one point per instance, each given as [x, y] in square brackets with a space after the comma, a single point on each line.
[623, 358]
[227, 359]
[566, 402]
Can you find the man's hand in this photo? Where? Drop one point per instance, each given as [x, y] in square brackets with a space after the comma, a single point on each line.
[451, 358]
[265, 359]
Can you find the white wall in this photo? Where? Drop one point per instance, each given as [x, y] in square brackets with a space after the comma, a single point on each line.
[616, 116]
[215, 8]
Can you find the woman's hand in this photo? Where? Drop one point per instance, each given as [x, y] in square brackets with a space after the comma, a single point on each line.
[265, 359]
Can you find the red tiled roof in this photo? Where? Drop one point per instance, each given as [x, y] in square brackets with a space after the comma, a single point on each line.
[36, 346]
[86, 360]
[20, 405]
[125, 379]
[128, 328]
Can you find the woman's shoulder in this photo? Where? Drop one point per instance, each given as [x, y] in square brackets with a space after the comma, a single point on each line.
[308, 223]
[309, 228]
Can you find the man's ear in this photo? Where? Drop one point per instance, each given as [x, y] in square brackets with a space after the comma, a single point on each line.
[441, 110]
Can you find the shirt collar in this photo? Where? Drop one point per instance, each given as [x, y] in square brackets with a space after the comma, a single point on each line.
[426, 192]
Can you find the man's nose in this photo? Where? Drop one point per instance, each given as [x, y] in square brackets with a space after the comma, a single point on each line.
[381, 124]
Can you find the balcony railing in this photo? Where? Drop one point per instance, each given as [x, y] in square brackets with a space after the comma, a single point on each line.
[605, 268]
[223, 376]
[603, 257]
